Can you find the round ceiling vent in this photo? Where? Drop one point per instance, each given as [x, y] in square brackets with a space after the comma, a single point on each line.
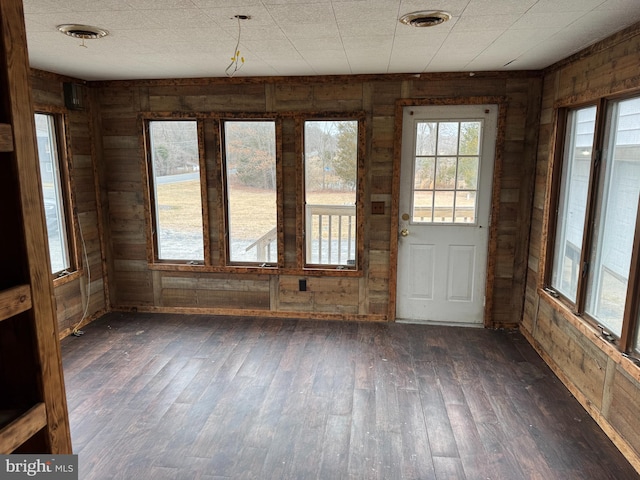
[85, 32]
[425, 18]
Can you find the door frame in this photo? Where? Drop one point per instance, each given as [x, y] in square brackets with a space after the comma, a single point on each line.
[501, 102]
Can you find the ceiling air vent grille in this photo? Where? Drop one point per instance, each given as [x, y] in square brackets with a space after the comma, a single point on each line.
[84, 32]
[425, 18]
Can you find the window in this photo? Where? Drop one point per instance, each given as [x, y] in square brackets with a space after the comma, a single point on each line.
[177, 192]
[572, 204]
[53, 174]
[447, 159]
[330, 186]
[597, 215]
[251, 186]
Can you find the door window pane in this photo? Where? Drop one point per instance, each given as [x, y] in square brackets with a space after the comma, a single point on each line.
[576, 167]
[616, 216]
[446, 183]
[252, 205]
[175, 163]
[52, 192]
[331, 179]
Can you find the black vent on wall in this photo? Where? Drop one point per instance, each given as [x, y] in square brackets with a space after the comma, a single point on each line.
[74, 96]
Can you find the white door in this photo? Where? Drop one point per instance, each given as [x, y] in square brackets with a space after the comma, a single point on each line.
[445, 203]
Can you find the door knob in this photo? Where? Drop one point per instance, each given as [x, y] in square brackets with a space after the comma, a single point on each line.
[404, 232]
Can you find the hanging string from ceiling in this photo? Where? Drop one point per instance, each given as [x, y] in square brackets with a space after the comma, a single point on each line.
[237, 61]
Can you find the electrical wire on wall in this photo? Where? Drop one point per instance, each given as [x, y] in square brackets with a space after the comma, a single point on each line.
[87, 296]
[237, 61]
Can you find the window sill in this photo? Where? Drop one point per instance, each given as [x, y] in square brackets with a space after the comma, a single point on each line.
[590, 332]
[59, 280]
[250, 269]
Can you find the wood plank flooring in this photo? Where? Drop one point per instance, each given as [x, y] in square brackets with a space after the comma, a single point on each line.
[196, 397]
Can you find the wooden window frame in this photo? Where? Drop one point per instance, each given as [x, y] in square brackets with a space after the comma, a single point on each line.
[150, 209]
[72, 227]
[213, 185]
[301, 196]
[224, 204]
[631, 315]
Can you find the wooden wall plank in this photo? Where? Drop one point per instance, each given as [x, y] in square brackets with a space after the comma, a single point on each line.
[14, 301]
[6, 137]
[23, 428]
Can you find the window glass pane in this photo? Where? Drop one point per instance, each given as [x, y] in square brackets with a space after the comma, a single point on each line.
[176, 180]
[422, 206]
[424, 173]
[576, 167]
[470, 138]
[448, 138]
[465, 207]
[330, 172]
[616, 216]
[468, 173]
[50, 180]
[443, 207]
[445, 173]
[252, 208]
[426, 138]
[447, 182]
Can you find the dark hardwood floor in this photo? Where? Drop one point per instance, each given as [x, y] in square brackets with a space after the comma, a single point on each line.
[197, 397]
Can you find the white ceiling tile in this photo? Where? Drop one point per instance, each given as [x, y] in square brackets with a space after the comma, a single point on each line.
[445, 62]
[337, 65]
[479, 23]
[358, 12]
[552, 6]
[498, 7]
[534, 21]
[459, 43]
[303, 14]
[319, 30]
[161, 4]
[226, 3]
[181, 19]
[627, 5]
[318, 46]
[293, 2]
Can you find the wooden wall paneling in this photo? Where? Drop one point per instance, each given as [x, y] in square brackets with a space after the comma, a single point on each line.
[212, 166]
[99, 180]
[530, 119]
[280, 192]
[14, 300]
[204, 191]
[291, 158]
[47, 90]
[6, 137]
[624, 407]
[395, 195]
[30, 361]
[226, 98]
[299, 196]
[23, 428]
[288, 96]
